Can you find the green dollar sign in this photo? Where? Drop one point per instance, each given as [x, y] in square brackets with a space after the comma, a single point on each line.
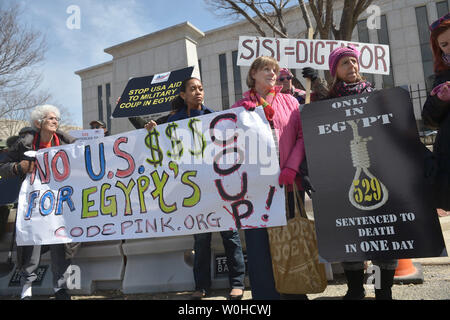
[152, 142]
[200, 138]
[177, 145]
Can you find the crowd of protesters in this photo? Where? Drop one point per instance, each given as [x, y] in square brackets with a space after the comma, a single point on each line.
[272, 88]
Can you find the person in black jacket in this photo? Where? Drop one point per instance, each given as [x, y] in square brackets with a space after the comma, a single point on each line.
[189, 103]
[344, 68]
[435, 112]
[45, 121]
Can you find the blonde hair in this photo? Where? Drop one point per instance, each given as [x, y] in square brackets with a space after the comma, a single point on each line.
[258, 64]
[336, 80]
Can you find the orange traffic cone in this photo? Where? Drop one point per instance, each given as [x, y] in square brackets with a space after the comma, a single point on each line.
[405, 268]
[407, 272]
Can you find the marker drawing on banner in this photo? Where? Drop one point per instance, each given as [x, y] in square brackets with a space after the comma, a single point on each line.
[185, 177]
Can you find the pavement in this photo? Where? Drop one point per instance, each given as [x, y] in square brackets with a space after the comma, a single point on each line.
[435, 286]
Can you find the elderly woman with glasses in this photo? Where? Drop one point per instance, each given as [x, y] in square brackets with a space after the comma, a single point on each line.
[45, 122]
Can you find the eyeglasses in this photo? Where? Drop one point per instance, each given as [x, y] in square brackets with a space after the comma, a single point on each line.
[53, 118]
[436, 24]
[285, 78]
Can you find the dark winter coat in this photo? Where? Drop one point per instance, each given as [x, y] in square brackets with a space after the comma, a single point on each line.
[23, 144]
[436, 115]
[16, 154]
[182, 114]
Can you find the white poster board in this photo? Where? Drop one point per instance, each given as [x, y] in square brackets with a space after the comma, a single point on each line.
[212, 173]
[87, 134]
[301, 53]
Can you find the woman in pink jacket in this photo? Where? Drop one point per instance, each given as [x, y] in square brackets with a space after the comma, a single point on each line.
[282, 112]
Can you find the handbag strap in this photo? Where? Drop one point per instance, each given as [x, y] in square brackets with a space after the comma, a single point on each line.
[298, 203]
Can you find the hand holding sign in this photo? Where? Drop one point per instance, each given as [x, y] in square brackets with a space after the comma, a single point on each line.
[150, 125]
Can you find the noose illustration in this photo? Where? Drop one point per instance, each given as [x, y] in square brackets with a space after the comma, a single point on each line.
[364, 194]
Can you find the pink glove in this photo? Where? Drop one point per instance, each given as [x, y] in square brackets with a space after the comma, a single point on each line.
[287, 176]
[442, 91]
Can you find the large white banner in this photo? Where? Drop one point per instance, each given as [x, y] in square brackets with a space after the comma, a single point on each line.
[212, 173]
[300, 53]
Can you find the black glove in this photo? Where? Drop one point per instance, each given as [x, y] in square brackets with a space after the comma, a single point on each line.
[310, 73]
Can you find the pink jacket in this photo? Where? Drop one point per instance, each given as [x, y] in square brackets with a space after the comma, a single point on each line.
[288, 127]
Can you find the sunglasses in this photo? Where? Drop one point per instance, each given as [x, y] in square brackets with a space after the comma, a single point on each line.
[96, 127]
[285, 78]
[52, 118]
[436, 24]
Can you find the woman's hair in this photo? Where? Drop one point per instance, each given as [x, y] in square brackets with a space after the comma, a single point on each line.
[439, 64]
[336, 80]
[40, 112]
[178, 103]
[260, 63]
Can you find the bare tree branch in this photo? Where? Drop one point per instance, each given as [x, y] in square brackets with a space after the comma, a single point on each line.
[21, 52]
[269, 13]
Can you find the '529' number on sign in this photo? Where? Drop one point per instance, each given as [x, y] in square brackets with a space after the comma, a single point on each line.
[367, 190]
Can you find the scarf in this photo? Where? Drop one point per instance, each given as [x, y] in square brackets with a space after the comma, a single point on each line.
[342, 89]
[265, 103]
[446, 59]
[37, 141]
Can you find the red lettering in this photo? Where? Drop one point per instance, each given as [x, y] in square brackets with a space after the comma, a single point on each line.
[380, 57]
[298, 52]
[316, 50]
[131, 164]
[366, 48]
[331, 44]
[251, 54]
[272, 53]
[66, 166]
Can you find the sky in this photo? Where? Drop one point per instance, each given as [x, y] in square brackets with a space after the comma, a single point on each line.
[103, 23]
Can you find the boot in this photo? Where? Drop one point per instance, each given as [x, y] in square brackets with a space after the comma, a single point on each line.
[355, 284]
[387, 280]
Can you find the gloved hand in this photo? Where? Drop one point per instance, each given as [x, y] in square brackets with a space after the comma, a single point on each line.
[287, 176]
[442, 91]
[310, 73]
[269, 112]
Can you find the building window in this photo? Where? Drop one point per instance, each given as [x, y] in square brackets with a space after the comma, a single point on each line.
[224, 81]
[424, 39]
[363, 36]
[108, 106]
[442, 8]
[200, 69]
[236, 77]
[100, 103]
[383, 38]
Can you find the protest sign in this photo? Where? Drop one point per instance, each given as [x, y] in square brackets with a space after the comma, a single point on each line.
[151, 94]
[211, 173]
[366, 164]
[87, 134]
[301, 53]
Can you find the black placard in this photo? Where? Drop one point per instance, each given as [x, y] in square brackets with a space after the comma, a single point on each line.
[366, 164]
[151, 94]
[40, 275]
